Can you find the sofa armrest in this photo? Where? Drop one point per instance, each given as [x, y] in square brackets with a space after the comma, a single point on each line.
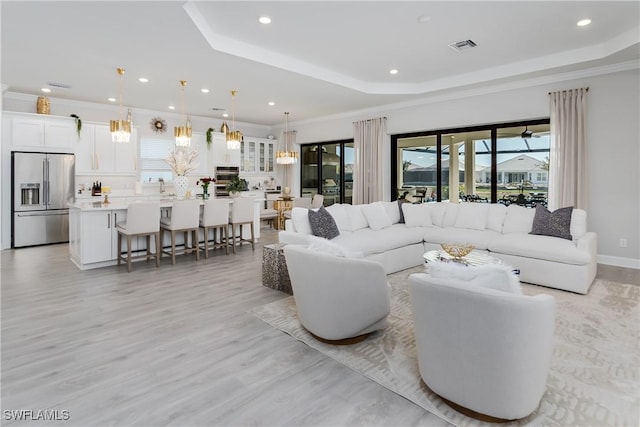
[589, 243]
[292, 238]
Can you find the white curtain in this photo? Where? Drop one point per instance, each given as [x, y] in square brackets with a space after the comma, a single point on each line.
[368, 141]
[568, 157]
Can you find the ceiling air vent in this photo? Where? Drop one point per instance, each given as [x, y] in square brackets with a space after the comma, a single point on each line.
[462, 45]
[60, 85]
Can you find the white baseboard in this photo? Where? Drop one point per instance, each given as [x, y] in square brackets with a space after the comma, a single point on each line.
[619, 261]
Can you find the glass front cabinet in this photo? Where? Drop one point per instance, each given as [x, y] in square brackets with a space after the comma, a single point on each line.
[257, 155]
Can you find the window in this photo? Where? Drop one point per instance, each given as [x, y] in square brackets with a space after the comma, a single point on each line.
[503, 163]
[334, 177]
[153, 151]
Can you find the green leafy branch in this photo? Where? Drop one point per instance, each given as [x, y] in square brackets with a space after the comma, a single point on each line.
[78, 123]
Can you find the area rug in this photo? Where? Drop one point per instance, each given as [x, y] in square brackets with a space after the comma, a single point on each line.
[595, 368]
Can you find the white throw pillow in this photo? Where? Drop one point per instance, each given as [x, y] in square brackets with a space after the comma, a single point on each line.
[495, 216]
[518, 220]
[320, 244]
[393, 211]
[340, 216]
[376, 216]
[472, 216]
[417, 215]
[357, 220]
[450, 214]
[300, 219]
[437, 212]
[493, 276]
[578, 226]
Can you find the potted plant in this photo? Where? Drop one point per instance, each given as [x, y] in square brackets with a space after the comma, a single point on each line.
[236, 185]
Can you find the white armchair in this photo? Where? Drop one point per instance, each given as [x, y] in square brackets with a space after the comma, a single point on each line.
[485, 351]
[339, 300]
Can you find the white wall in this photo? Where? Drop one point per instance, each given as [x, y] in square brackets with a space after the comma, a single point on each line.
[613, 143]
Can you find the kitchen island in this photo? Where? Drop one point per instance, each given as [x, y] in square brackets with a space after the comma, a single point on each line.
[93, 237]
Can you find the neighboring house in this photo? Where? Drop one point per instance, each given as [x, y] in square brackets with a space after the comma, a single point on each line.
[517, 170]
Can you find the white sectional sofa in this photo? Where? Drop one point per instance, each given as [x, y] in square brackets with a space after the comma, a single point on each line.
[375, 230]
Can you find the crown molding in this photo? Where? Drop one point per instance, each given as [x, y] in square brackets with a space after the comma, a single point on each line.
[484, 90]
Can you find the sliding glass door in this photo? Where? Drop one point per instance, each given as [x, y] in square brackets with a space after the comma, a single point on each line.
[327, 169]
[506, 163]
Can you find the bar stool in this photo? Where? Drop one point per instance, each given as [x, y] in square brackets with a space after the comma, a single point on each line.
[185, 217]
[215, 216]
[242, 214]
[143, 219]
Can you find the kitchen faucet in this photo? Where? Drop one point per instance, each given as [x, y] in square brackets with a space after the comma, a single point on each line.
[161, 181]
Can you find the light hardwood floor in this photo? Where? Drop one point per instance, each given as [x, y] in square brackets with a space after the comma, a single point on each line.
[173, 346]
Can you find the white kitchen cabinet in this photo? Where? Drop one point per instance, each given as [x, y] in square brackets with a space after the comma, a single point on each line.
[199, 144]
[257, 155]
[97, 154]
[35, 131]
[97, 236]
[221, 155]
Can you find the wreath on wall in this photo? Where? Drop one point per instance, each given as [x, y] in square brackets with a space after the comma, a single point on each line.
[158, 125]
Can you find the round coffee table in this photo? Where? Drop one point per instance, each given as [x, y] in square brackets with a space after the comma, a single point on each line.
[474, 258]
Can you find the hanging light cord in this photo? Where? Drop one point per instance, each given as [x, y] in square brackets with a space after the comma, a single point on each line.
[121, 73]
[233, 110]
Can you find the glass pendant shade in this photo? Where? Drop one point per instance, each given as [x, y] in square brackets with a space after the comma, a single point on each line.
[286, 156]
[234, 137]
[121, 129]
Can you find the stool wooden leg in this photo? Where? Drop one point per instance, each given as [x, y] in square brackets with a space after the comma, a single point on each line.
[148, 236]
[156, 236]
[129, 252]
[119, 246]
[173, 247]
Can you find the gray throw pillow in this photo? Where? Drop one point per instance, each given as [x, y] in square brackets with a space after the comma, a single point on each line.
[323, 224]
[400, 203]
[555, 224]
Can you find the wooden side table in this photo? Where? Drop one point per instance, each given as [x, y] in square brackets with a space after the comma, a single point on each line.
[282, 205]
[274, 268]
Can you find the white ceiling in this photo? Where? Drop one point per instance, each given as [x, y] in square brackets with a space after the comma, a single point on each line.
[314, 59]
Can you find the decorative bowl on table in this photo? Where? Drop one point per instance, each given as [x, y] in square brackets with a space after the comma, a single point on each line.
[456, 251]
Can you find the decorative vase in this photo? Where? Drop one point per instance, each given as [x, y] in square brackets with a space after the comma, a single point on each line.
[181, 183]
[42, 105]
[205, 193]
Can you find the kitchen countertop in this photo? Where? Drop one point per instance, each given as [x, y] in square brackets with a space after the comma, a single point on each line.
[123, 203]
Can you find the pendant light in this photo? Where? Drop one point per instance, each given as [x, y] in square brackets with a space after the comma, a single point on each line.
[183, 133]
[120, 129]
[234, 137]
[286, 156]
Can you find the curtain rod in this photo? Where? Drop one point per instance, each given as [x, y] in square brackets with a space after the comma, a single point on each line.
[567, 90]
[370, 120]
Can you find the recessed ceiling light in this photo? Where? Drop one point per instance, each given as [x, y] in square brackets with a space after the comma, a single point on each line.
[225, 115]
[204, 90]
[143, 80]
[172, 107]
[271, 103]
[112, 100]
[583, 22]
[265, 20]
[393, 71]
[46, 89]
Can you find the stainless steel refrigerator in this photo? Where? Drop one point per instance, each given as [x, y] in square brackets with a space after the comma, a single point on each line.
[43, 185]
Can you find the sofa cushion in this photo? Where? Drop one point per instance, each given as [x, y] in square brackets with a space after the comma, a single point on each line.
[320, 244]
[495, 216]
[340, 216]
[300, 219]
[518, 219]
[480, 239]
[417, 215]
[472, 216]
[493, 276]
[539, 247]
[578, 223]
[322, 223]
[437, 212]
[555, 224]
[450, 214]
[369, 241]
[376, 216]
[357, 220]
[393, 212]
